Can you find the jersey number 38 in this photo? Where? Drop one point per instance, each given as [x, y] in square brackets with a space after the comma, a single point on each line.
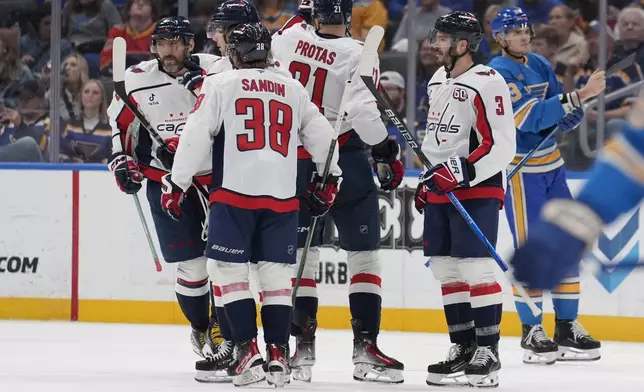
[280, 122]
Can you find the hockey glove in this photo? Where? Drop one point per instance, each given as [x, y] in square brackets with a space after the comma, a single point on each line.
[166, 155]
[386, 164]
[444, 178]
[321, 195]
[571, 120]
[420, 197]
[126, 172]
[194, 76]
[556, 244]
[570, 101]
[171, 197]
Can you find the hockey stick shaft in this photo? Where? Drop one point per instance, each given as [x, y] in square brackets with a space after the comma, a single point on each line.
[620, 65]
[146, 230]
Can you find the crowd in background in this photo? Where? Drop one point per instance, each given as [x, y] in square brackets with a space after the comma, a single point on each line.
[566, 33]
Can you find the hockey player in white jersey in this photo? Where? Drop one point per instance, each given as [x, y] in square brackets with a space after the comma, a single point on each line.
[163, 91]
[247, 121]
[323, 59]
[471, 140]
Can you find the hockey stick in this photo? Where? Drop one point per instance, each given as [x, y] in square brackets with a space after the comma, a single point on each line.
[118, 61]
[119, 49]
[366, 70]
[620, 65]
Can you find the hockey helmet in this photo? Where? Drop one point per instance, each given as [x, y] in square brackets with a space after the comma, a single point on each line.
[461, 26]
[510, 18]
[333, 12]
[171, 28]
[251, 41]
[230, 13]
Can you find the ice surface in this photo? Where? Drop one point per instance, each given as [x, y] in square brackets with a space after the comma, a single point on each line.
[88, 357]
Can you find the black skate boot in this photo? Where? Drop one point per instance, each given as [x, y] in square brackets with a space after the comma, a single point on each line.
[304, 357]
[483, 368]
[451, 372]
[276, 367]
[198, 339]
[537, 348]
[370, 364]
[575, 343]
[247, 368]
[214, 368]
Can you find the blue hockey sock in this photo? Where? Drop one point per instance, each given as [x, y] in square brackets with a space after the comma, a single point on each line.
[306, 301]
[525, 314]
[458, 312]
[194, 300]
[565, 299]
[242, 317]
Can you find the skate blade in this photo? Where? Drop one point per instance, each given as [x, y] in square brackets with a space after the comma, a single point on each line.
[378, 374]
[484, 381]
[251, 376]
[277, 379]
[302, 373]
[574, 354]
[455, 380]
[530, 357]
[217, 376]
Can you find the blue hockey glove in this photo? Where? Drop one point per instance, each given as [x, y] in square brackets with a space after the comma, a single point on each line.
[571, 120]
[194, 76]
[556, 244]
[171, 197]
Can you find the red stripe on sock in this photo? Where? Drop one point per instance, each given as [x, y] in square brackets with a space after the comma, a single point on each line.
[456, 287]
[485, 289]
[367, 278]
[305, 282]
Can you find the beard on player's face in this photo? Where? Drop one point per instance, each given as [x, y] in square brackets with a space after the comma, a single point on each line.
[171, 63]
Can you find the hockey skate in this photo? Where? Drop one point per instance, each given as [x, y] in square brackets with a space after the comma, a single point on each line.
[575, 343]
[247, 368]
[370, 364]
[451, 372]
[304, 357]
[276, 366]
[214, 368]
[482, 370]
[537, 348]
[198, 339]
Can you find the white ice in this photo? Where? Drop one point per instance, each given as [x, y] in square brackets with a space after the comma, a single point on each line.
[88, 357]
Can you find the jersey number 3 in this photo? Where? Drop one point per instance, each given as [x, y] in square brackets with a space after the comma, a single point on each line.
[302, 72]
[280, 119]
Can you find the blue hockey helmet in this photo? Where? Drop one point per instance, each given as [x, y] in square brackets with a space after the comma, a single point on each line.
[333, 12]
[231, 13]
[510, 18]
[250, 41]
[173, 27]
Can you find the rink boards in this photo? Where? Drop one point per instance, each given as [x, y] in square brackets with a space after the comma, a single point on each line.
[72, 248]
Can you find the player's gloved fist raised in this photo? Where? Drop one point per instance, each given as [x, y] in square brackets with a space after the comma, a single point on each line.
[420, 197]
[166, 155]
[321, 195]
[126, 172]
[386, 164]
[571, 120]
[194, 76]
[443, 178]
[556, 244]
[171, 197]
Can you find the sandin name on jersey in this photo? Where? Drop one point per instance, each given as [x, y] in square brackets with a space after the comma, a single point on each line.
[265, 86]
[315, 52]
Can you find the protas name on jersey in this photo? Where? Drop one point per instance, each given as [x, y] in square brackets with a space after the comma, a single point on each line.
[164, 102]
[323, 63]
[471, 116]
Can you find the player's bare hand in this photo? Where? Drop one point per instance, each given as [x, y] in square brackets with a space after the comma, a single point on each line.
[596, 84]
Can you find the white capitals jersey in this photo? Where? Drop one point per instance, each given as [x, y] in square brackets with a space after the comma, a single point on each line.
[323, 64]
[250, 119]
[471, 116]
[164, 102]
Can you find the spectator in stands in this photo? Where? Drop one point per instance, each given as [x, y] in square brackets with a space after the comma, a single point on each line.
[86, 23]
[421, 23]
[630, 33]
[200, 16]
[489, 47]
[88, 139]
[75, 74]
[141, 17]
[538, 10]
[13, 73]
[365, 15]
[34, 45]
[571, 42]
[426, 66]
[274, 13]
[29, 120]
[546, 44]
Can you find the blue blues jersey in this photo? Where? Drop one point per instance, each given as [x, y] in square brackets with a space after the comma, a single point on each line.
[534, 89]
[39, 131]
[85, 145]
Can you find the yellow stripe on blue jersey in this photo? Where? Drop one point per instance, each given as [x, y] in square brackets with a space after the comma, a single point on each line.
[541, 161]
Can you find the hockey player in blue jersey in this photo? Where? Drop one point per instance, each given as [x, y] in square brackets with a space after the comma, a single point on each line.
[539, 105]
[568, 228]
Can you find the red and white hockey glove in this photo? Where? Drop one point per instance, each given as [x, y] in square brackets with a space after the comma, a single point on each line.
[166, 156]
[126, 172]
[444, 178]
[171, 197]
[420, 197]
[321, 195]
[386, 164]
